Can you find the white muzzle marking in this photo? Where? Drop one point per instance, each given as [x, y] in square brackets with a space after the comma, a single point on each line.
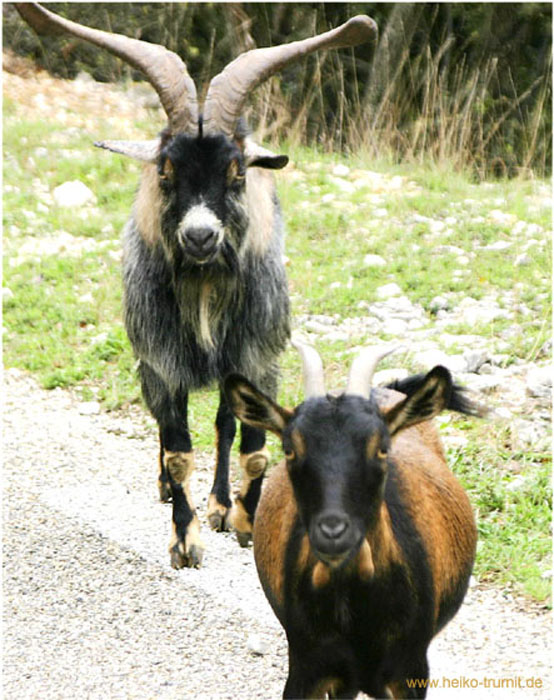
[200, 216]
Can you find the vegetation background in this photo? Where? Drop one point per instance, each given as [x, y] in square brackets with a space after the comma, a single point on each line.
[465, 82]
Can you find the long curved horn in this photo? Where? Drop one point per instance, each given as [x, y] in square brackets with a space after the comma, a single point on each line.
[363, 368]
[228, 91]
[312, 369]
[165, 71]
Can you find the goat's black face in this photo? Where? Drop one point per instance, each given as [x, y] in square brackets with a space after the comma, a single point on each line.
[203, 182]
[336, 451]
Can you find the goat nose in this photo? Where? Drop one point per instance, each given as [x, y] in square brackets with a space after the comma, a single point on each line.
[333, 526]
[201, 237]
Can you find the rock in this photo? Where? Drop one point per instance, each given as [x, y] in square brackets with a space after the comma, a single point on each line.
[475, 360]
[486, 384]
[374, 261]
[539, 382]
[395, 326]
[386, 376]
[380, 213]
[341, 170]
[502, 217]
[73, 194]
[438, 303]
[523, 260]
[89, 408]
[316, 327]
[342, 185]
[429, 358]
[388, 290]
[530, 434]
[454, 249]
[256, 645]
[497, 245]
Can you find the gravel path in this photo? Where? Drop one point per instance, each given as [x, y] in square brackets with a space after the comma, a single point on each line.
[92, 608]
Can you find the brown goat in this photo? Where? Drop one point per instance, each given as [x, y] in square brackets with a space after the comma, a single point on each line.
[364, 540]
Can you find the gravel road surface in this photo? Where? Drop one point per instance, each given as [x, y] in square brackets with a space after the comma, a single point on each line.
[92, 608]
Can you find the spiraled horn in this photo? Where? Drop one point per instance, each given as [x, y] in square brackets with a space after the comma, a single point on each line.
[363, 368]
[312, 369]
[165, 71]
[228, 91]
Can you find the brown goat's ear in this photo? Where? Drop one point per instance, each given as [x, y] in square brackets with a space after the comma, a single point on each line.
[253, 407]
[428, 400]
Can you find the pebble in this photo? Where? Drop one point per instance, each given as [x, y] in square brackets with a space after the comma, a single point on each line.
[374, 261]
[89, 408]
[539, 382]
[73, 194]
[388, 290]
[256, 644]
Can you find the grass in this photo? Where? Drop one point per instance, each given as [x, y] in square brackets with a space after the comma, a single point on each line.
[62, 315]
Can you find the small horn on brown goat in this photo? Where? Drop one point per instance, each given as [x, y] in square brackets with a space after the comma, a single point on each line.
[228, 91]
[165, 71]
[363, 368]
[312, 369]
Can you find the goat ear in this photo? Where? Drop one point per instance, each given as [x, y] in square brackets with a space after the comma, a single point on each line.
[425, 402]
[272, 162]
[253, 407]
[258, 157]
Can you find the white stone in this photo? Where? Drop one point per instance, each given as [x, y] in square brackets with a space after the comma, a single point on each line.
[73, 194]
[89, 408]
[386, 376]
[371, 260]
[397, 182]
[341, 170]
[380, 213]
[395, 326]
[523, 260]
[539, 382]
[497, 245]
[256, 644]
[501, 217]
[430, 358]
[388, 290]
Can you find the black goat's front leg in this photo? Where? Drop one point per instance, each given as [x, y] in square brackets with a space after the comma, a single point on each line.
[219, 500]
[176, 466]
[254, 458]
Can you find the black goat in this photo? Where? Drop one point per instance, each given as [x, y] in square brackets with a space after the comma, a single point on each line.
[205, 286]
[364, 540]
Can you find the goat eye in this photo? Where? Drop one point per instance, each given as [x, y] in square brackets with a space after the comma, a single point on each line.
[167, 171]
[234, 173]
[289, 455]
[381, 454]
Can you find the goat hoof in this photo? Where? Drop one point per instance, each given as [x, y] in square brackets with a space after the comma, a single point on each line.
[244, 538]
[219, 521]
[219, 516]
[191, 559]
